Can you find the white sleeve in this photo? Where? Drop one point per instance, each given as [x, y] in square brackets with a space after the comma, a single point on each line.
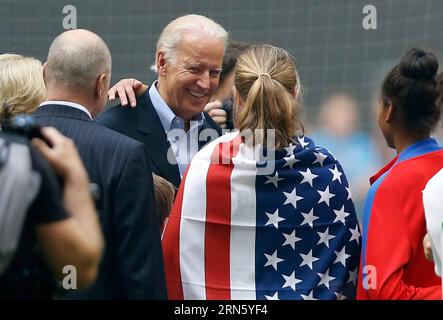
[433, 206]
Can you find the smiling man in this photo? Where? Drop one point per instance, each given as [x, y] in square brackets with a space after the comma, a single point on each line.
[169, 116]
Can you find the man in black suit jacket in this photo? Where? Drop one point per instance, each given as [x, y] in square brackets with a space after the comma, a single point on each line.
[143, 124]
[77, 75]
[169, 118]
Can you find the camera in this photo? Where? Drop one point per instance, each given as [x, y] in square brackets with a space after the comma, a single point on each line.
[23, 125]
[227, 105]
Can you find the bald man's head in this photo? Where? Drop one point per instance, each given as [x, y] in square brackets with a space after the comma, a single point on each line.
[76, 59]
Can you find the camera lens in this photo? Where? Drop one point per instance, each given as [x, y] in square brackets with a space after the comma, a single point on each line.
[227, 105]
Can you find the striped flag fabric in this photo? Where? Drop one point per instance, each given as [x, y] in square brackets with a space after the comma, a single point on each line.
[235, 233]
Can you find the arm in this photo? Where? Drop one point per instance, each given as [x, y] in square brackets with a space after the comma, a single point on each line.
[136, 230]
[127, 89]
[77, 240]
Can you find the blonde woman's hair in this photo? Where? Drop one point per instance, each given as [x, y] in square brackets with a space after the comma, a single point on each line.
[268, 83]
[21, 83]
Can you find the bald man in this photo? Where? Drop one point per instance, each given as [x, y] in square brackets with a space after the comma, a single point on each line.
[77, 74]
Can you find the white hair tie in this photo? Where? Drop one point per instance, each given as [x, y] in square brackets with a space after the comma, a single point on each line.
[264, 74]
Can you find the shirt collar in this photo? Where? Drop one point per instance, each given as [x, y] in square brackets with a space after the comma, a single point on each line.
[68, 104]
[167, 117]
[417, 149]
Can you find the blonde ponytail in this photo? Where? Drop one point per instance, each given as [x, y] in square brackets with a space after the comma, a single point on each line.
[265, 78]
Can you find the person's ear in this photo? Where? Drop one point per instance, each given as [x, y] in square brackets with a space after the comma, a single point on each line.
[44, 73]
[101, 86]
[294, 91]
[238, 101]
[160, 63]
[390, 112]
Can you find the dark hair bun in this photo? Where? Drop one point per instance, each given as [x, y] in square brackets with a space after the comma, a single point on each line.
[419, 64]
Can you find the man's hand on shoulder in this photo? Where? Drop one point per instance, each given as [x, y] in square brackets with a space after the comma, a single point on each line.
[127, 89]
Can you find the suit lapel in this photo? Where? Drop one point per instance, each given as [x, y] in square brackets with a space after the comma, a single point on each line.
[148, 123]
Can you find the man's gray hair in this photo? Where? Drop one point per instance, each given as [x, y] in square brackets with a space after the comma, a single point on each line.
[172, 34]
[77, 62]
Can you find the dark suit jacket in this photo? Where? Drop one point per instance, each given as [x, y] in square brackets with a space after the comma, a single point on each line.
[132, 264]
[143, 124]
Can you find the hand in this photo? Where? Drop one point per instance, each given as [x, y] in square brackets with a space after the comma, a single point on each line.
[63, 155]
[127, 89]
[427, 247]
[214, 109]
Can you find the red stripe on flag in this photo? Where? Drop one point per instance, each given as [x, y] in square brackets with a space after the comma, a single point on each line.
[171, 247]
[218, 221]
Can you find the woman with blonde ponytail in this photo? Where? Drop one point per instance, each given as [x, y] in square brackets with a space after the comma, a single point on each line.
[267, 90]
[263, 213]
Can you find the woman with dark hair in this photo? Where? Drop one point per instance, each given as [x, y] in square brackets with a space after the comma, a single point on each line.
[393, 265]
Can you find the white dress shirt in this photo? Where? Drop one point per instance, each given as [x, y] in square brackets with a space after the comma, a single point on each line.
[184, 144]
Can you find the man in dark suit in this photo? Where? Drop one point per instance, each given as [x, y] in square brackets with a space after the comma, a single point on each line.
[169, 118]
[77, 74]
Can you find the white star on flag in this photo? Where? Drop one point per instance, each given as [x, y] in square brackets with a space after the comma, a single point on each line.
[308, 176]
[341, 256]
[292, 198]
[273, 260]
[336, 174]
[290, 161]
[291, 239]
[341, 215]
[290, 150]
[274, 297]
[308, 259]
[355, 234]
[274, 179]
[310, 296]
[291, 281]
[274, 218]
[325, 196]
[325, 279]
[348, 189]
[309, 218]
[340, 296]
[325, 237]
[353, 276]
[302, 142]
[320, 157]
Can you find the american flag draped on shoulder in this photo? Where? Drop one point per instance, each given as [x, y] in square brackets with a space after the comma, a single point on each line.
[235, 234]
